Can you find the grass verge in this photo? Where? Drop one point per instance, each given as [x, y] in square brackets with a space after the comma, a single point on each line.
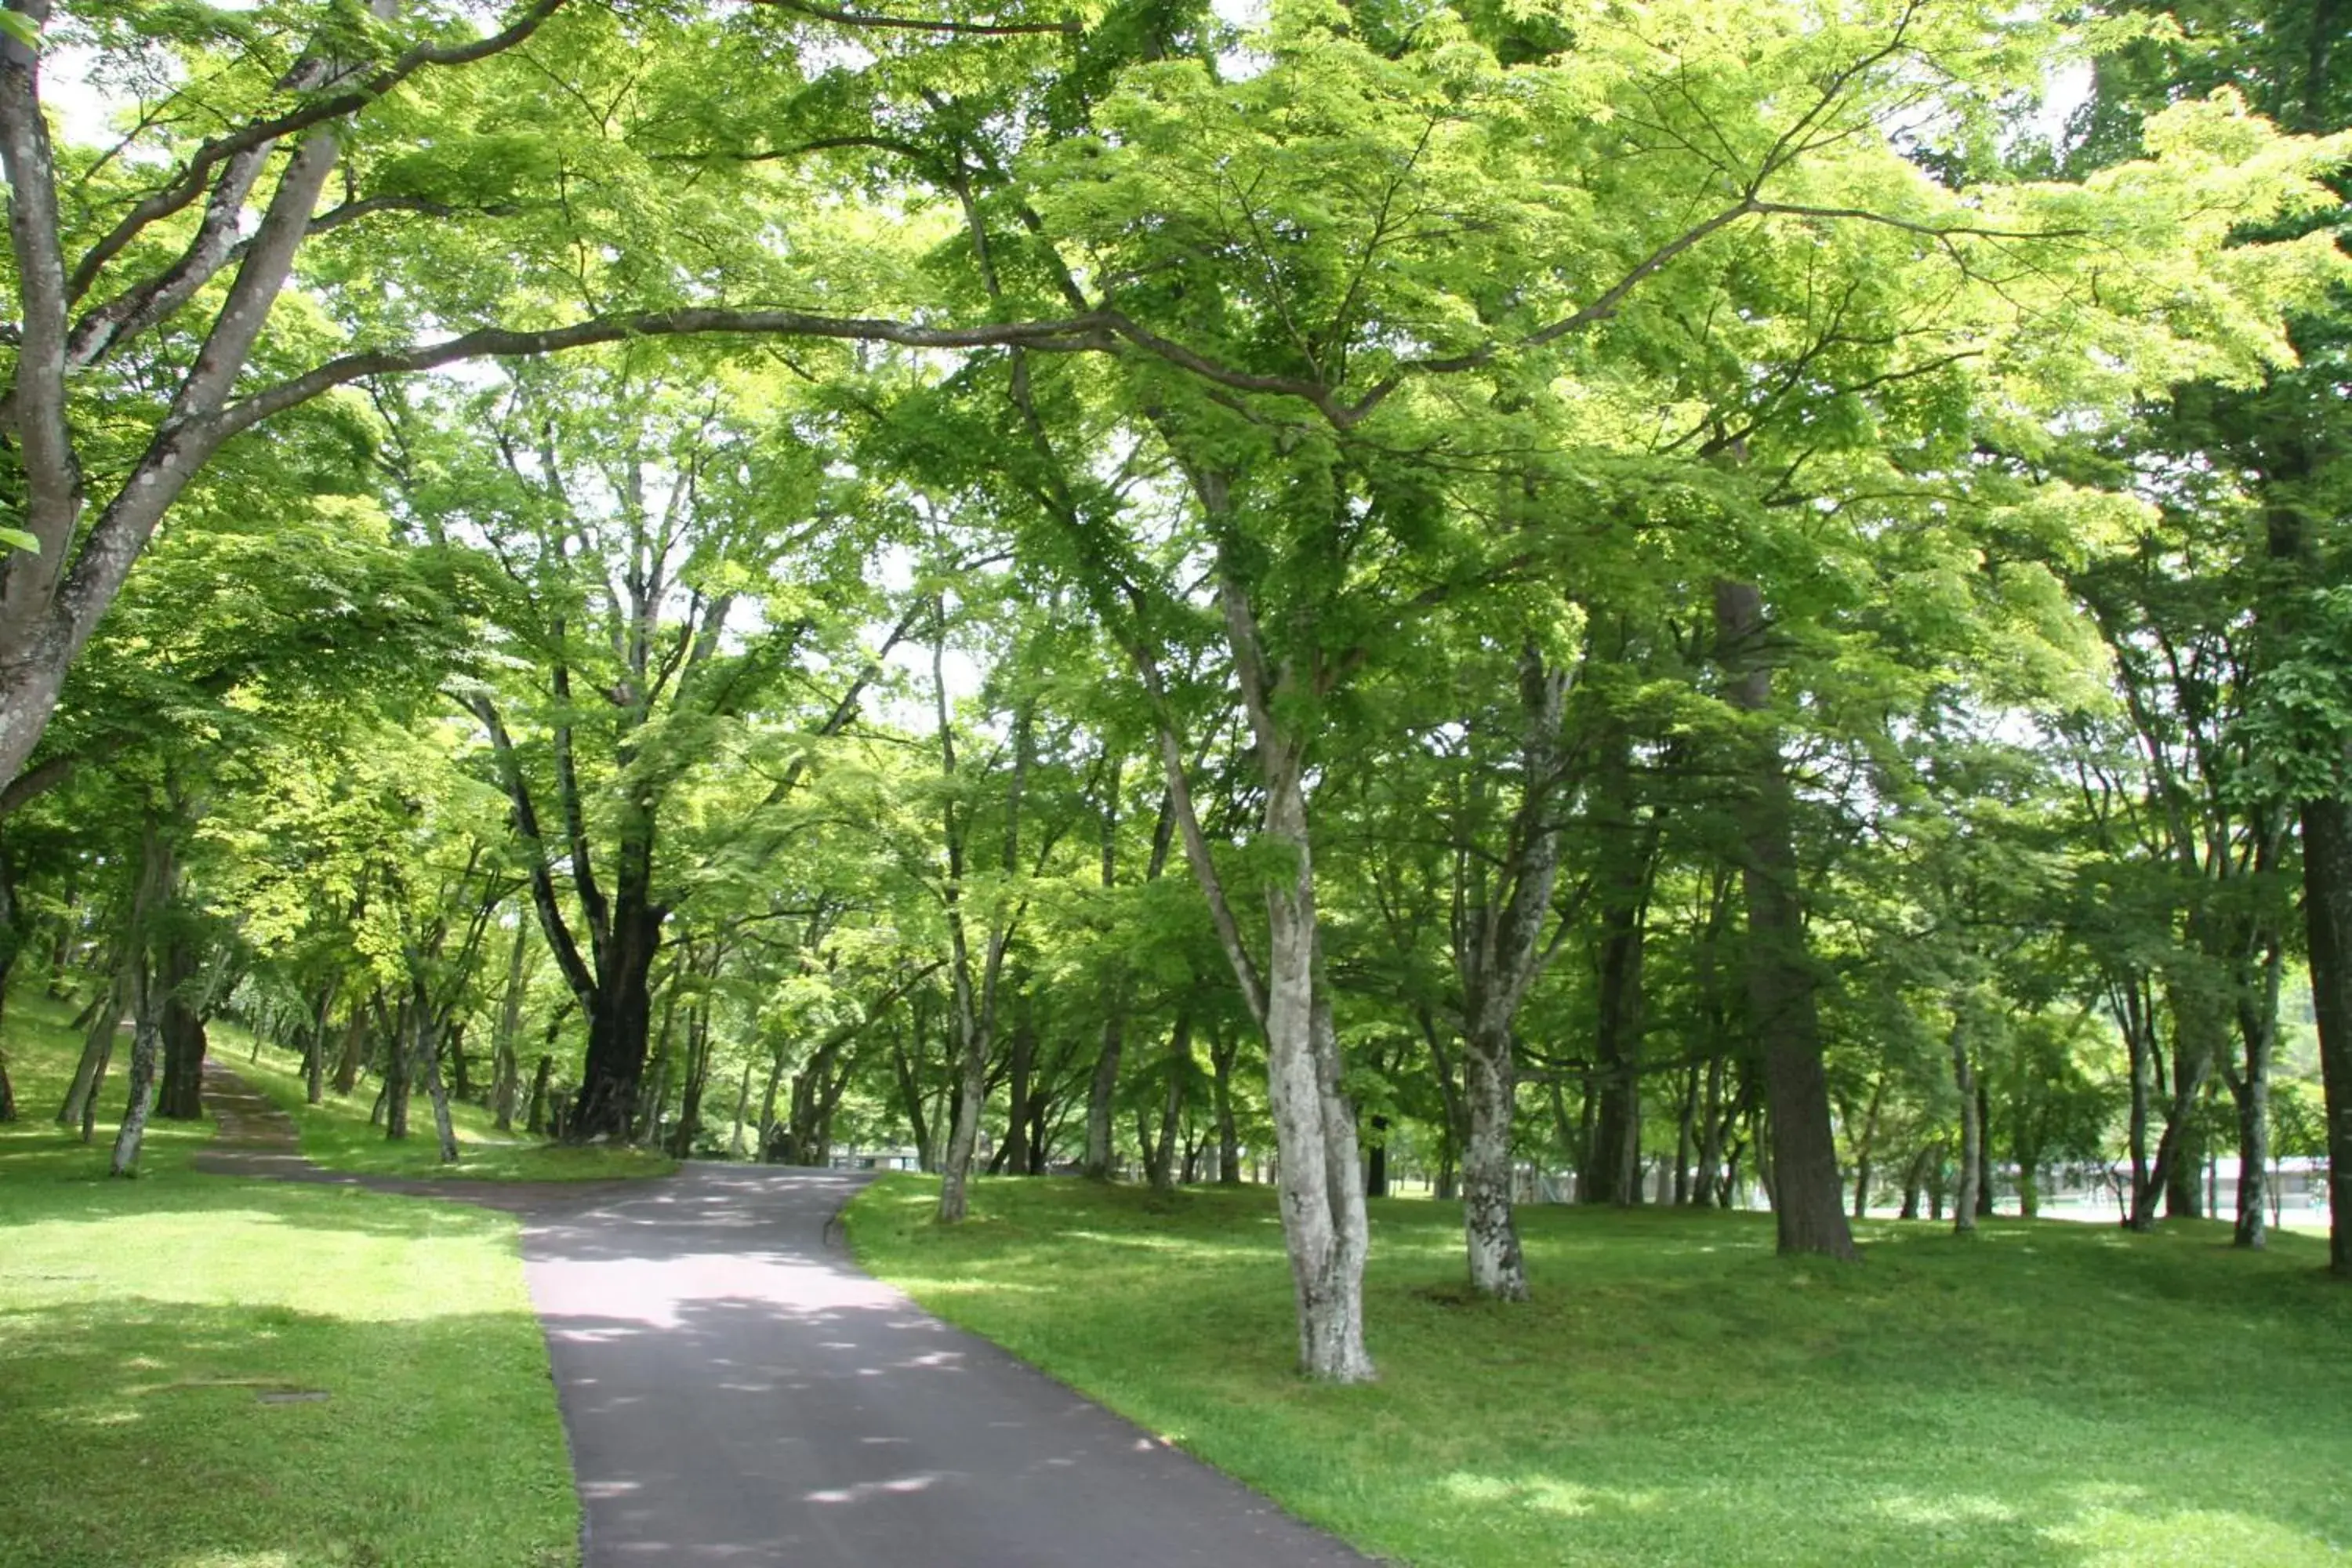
[337, 1134]
[2048, 1393]
[165, 1344]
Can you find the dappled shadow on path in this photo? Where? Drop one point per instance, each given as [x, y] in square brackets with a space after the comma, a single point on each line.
[738, 1391]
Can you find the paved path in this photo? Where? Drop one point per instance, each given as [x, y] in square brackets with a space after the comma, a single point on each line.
[738, 1392]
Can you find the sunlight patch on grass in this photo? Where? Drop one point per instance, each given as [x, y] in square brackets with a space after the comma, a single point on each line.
[2191, 1537]
[165, 1344]
[1674, 1393]
[1950, 1507]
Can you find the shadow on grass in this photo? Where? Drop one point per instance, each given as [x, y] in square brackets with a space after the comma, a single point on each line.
[1676, 1394]
[137, 1432]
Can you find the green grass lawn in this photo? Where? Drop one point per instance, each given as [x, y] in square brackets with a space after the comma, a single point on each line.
[1676, 1394]
[142, 1323]
[337, 1134]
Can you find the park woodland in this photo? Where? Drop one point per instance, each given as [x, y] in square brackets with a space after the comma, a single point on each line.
[1573, 777]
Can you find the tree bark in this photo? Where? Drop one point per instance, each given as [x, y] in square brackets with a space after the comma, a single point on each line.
[1490, 1086]
[1806, 1190]
[1016, 1110]
[1984, 1150]
[98, 1046]
[2327, 915]
[1499, 952]
[1964, 1079]
[427, 1064]
[158, 885]
[1102, 1091]
[620, 1008]
[181, 1097]
[146, 1046]
[1159, 1161]
[2249, 1088]
[975, 992]
[400, 1061]
[535, 1120]
[1865, 1146]
[1224, 1045]
[505, 1070]
[742, 1109]
[1614, 1172]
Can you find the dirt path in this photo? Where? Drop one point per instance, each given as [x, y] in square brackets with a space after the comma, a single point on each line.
[735, 1391]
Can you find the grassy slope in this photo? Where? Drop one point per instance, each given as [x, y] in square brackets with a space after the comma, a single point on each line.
[140, 1321]
[339, 1135]
[2048, 1393]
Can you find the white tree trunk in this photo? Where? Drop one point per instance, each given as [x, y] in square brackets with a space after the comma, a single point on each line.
[972, 1100]
[1320, 1173]
[1489, 1229]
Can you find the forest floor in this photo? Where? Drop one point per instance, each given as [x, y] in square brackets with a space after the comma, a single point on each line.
[200, 1373]
[339, 1135]
[1676, 1394]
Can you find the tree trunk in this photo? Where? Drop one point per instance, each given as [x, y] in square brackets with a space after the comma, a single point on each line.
[1984, 1150]
[505, 1070]
[1613, 1174]
[1224, 1045]
[1102, 1089]
[975, 992]
[1492, 1235]
[146, 1046]
[2327, 913]
[1325, 1227]
[1914, 1179]
[535, 1120]
[158, 885]
[1686, 1139]
[964, 1135]
[1016, 1113]
[1319, 1165]
[768, 1103]
[1499, 952]
[2327, 821]
[314, 1060]
[1806, 1190]
[428, 1063]
[1863, 1147]
[1161, 1154]
[697, 1084]
[181, 1097]
[347, 1068]
[910, 1091]
[620, 1010]
[1964, 1078]
[400, 1061]
[1715, 1126]
[453, 1046]
[2258, 1026]
[742, 1109]
[2138, 1024]
[98, 1046]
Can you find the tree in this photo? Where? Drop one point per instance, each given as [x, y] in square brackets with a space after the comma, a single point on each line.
[2284, 436]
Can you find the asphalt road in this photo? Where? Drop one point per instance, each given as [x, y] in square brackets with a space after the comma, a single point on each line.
[738, 1392]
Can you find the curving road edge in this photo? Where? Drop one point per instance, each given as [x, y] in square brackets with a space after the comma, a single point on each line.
[735, 1391]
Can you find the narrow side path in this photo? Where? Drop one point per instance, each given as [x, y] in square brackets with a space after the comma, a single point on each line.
[256, 1139]
[735, 1391]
